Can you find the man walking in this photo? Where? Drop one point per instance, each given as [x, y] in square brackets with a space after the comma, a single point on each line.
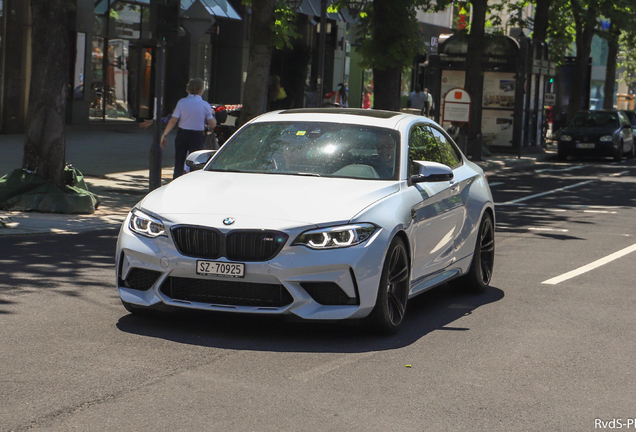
[192, 113]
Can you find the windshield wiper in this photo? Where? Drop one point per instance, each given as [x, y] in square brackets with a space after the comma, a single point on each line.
[307, 174]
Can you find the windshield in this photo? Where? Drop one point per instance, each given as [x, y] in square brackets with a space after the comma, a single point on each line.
[595, 119]
[312, 148]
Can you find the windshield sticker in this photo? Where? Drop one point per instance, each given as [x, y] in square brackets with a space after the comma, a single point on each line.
[301, 133]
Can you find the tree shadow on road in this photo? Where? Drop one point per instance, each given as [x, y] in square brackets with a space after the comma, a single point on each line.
[53, 262]
[433, 310]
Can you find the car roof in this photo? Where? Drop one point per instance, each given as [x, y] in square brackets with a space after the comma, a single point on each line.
[366, 117]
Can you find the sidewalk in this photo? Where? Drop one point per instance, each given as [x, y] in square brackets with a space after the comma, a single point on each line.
[114, 159]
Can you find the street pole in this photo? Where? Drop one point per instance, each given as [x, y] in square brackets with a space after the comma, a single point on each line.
[155, 150]
[321, 51]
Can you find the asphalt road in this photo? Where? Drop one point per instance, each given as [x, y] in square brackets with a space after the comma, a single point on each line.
[549, 347]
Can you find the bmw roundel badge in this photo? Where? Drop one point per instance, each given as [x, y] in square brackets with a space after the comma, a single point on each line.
[229, 221]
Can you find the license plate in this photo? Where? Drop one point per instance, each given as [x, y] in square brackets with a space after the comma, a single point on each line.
[585, 145]
[217, 268]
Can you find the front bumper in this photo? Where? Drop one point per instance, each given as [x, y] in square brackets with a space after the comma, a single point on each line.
[311, 284]
[606, 148]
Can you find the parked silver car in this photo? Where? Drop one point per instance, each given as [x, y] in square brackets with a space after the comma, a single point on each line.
[323, 214]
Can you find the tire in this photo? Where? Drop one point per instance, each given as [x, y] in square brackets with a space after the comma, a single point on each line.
[393, 292]
[561, 155]
[618, 155]
[477, 279]
[632, 154]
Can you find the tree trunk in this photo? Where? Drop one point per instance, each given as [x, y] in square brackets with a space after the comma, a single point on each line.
[386, 77]
[584, 34]
[386, 90]
[610, 71]
[540, 31]
[260, 59]
[45, 144]
[474, 69]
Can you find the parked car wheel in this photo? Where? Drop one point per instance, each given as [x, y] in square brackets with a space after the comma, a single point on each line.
[632, 154]
[478, 277]
[561, 155]
[393, 292]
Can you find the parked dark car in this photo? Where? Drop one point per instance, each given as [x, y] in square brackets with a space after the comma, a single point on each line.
[597, 133]
[631, 115]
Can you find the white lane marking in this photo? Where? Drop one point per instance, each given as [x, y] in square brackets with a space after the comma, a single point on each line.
[581, 206]
[495, 184]
[599, 211]
[619, 174]
[547, 193]
[560, 169]
[547, 229]
[590, 266]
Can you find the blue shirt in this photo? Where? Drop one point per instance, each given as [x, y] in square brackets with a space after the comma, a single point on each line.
[193, 113]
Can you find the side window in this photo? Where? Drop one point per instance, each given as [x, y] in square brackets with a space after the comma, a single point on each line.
[423, 147]
[450, 155]
[624, 120]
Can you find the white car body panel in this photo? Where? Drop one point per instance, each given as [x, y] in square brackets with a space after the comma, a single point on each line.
[438, 220]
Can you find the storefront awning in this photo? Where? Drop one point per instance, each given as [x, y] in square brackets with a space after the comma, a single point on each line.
[312, 8]
[218, 8]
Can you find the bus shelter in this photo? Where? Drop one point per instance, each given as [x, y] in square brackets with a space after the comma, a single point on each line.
[513, 88]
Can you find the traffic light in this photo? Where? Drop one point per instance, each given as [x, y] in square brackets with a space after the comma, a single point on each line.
[168, 20]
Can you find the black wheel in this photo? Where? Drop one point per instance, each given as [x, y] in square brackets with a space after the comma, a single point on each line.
[478, 277]
[632, 154]
[393, 292]
[618, 155]
[561, 155]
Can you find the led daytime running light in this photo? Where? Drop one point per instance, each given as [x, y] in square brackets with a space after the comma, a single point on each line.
[145, 225]
[336, 237]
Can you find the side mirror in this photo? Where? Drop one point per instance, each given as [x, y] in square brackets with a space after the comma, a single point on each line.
[197, 160]
[431, 172]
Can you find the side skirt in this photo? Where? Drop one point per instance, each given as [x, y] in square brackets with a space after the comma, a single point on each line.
[428, 282]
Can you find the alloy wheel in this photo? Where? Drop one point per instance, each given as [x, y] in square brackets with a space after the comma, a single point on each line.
[397, 284]
[487, 251]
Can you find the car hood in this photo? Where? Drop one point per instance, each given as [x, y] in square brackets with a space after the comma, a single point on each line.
[264, 200]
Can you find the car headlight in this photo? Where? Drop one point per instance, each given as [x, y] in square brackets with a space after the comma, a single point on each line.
[336, 237]
[606, 138]
[566, 138]
[145, 225]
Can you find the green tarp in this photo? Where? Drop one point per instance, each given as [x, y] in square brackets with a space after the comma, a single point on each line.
[25, 191]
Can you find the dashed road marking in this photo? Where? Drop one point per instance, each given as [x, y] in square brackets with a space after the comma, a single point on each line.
[590, 266]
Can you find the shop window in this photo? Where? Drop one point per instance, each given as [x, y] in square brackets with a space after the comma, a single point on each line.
[124, 21]
[96, 107]
[77, 80]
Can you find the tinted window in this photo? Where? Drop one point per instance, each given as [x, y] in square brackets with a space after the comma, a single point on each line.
[423, 147]
[450, 155]
[632, 117]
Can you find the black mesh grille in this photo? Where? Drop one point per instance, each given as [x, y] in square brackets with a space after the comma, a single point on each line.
[328, 293]
[240, 245]
[198, 242]
[223, 292]
[141, 279]
[254, 245]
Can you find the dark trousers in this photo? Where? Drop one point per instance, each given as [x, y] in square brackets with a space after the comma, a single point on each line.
[186, 141]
